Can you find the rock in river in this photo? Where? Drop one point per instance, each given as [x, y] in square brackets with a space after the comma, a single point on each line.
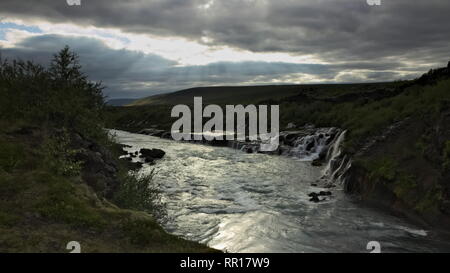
[153, 153]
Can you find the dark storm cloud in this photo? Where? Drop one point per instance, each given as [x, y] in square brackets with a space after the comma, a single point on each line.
[359, 42]
[335, 30]
[134, 74]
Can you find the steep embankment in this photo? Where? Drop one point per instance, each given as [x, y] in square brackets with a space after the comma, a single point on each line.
[47, 200]
[404, 166]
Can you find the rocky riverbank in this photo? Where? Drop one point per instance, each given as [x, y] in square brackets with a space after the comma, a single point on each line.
[66, 183]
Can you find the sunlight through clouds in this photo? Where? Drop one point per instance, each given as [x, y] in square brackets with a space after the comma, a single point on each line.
[157, 46]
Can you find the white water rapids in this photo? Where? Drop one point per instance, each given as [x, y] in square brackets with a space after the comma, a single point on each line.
[248, 202]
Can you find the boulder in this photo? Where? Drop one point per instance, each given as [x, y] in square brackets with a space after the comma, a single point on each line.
[310, 145]
[131, 165]
[315, 196]
[316, 163]
[152, 153]
[314, 199]
[323, 153]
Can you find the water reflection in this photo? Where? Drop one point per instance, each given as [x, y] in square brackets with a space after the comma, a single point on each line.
[242, 202]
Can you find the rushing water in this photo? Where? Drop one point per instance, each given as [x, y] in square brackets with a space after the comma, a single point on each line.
[242, 202]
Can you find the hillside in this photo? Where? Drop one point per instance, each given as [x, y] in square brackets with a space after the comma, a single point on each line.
[119, 102]
[252, 94]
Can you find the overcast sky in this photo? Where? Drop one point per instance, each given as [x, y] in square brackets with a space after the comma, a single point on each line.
[140, 48]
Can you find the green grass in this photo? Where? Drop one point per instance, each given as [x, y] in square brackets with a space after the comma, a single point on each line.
[11, 155]
[44, 202]
[41, 210]
[430, 202]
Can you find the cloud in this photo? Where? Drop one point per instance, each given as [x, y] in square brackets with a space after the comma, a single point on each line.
[235, 41]
[337, 30]
[129, 73]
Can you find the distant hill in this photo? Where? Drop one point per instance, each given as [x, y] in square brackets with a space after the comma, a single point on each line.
[119, 102]
[222, 94]
[252, 94]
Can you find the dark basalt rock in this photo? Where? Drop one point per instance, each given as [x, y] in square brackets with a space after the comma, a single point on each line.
[331, 138]
[316, 163]
[149, 160]
[315, 196]
[131, 165]
[125, 146]
[99, 164]
[152, 153]
[310, 146]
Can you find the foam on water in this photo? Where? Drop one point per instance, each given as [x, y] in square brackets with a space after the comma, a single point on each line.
[243, 202]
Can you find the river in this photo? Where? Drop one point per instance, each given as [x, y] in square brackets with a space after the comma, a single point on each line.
[240, 202]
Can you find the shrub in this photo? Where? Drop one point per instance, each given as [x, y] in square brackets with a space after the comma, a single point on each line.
[139, 192]
[60, 96]
[385, 168]
[60, 156]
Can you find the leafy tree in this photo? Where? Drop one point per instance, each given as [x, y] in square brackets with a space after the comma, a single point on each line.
[57, 96]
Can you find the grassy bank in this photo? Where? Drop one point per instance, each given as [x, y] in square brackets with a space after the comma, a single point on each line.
[51, 130]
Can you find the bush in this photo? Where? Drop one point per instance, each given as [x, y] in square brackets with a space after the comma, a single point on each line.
[60, 96]
[60, 156]
[385, 168]
[137, 191]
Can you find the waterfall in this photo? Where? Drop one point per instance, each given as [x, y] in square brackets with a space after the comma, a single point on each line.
[338, 163]
[310, 147]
